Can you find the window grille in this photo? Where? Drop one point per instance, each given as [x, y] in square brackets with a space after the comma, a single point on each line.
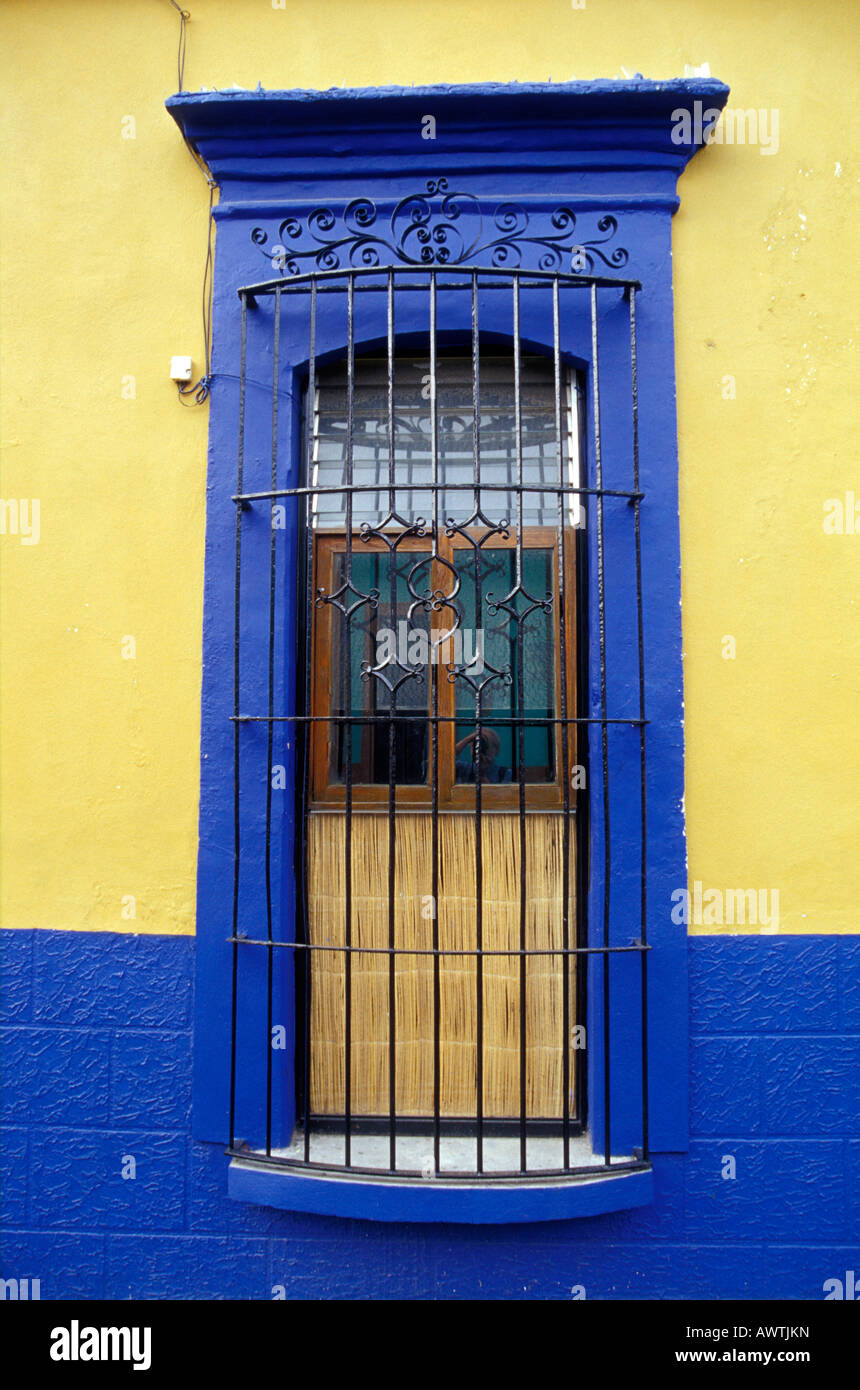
[441, 474]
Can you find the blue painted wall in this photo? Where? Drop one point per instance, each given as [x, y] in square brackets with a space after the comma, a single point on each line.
[97, 1065]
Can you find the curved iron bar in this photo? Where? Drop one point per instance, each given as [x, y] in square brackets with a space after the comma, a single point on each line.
[454, 528]
[322, 598]
[416, 528]
[432, 600]
[409, 673]
[519, 615]
[502, 673]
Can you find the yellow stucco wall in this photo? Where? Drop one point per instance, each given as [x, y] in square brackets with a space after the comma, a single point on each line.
[102, 250]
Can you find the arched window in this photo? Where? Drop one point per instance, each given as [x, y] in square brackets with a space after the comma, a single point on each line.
[443, 788]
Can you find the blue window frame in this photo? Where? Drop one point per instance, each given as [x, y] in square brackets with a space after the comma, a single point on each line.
[573, 181]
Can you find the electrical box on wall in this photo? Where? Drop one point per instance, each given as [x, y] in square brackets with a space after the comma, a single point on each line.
[180, 368]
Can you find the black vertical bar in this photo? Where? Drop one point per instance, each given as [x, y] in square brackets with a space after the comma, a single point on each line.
[479, 842]
[643, 928]
[347, 697]
[565, 751]
[392, 706]
[240, 471]
[604, 730]
[582, 827]
[518, 432]
[310, 437]
[276, 348]
[434, 791]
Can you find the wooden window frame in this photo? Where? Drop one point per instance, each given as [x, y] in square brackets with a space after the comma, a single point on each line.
[327, 795]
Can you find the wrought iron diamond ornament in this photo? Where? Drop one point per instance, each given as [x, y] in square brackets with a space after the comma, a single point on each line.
[438, 227]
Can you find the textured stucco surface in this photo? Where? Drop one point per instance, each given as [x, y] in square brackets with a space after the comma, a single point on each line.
[100, 753]
[763, 1091]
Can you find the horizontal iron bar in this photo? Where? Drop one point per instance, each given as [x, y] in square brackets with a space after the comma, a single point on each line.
[291, 283]
[337, 488]
[450, 1126]
[532, 1176]
[250, 295]
[441, 951]
[528, 721]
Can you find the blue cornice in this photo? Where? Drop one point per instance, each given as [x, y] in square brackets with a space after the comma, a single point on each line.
[531, 100]
[251, 136]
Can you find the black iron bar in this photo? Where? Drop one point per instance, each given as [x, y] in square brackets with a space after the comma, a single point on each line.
[528, 281]
[240, 469]
[310, 433]
[601, 603]
[582, 806]
[490, 273]
[536, 1177]
[347, 705]
[434, 792]
[276, 348]
[479, 841]
[454, 1125]
[392, 796]
[529, 720]
[643, 867]
[340, 488]
[564, 730]
[518, 588]
[446, 951]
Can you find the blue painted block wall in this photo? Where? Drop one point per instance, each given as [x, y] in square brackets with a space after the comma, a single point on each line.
[97, 1066]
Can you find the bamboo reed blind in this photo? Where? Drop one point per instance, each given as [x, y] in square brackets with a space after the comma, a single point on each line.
[413, 926]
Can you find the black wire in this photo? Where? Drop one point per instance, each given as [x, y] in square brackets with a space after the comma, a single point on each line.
[200, 391]
[184, 17]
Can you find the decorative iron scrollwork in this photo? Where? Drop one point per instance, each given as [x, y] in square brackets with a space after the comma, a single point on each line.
[438, 227]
